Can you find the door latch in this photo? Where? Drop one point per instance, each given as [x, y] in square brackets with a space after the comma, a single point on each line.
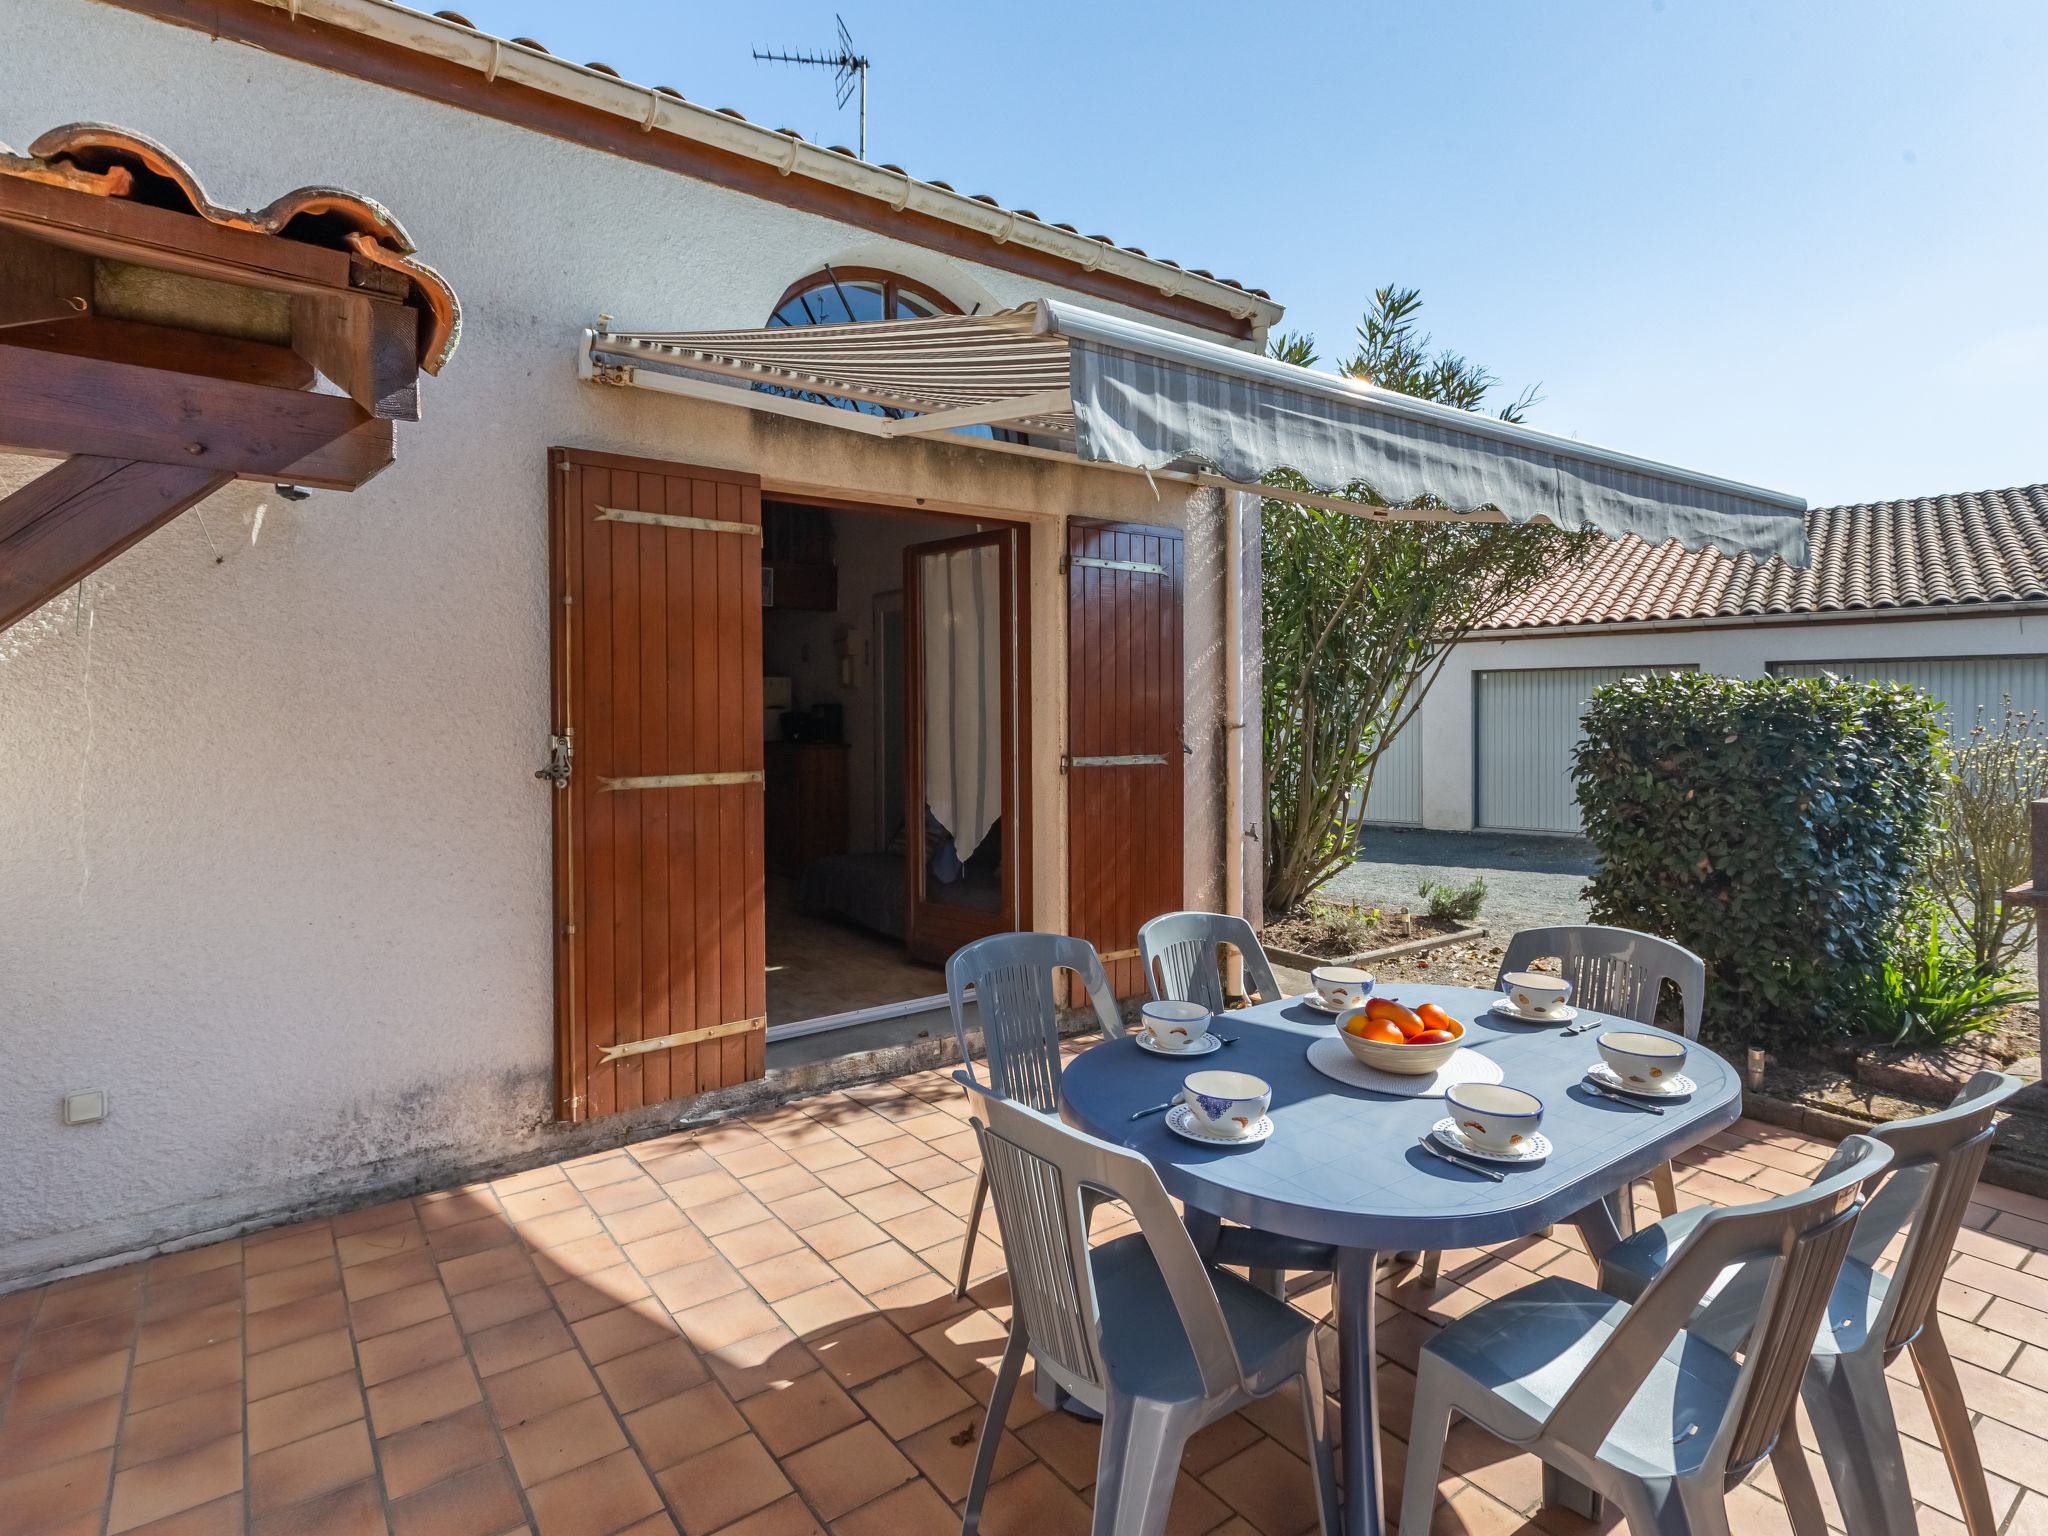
[561, 753]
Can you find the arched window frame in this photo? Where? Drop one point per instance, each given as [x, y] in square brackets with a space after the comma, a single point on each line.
[894, 285]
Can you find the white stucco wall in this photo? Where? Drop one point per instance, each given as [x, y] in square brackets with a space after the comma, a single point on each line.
[274, 870]
[1449, 800]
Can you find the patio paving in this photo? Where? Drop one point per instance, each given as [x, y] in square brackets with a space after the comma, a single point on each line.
[750, 1330]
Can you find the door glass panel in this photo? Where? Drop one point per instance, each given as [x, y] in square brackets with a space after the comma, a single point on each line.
[960, 640]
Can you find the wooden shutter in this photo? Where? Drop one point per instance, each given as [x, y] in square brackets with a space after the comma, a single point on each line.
[1124, 761]
[661, 930]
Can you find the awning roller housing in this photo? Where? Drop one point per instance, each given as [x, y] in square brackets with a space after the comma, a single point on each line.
[1106, 390]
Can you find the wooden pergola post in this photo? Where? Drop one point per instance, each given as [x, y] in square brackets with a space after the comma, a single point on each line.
[2034, 894]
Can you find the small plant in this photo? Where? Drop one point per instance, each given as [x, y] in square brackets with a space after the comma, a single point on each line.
[1930, 991]
[1981, 850]
[1458, 902]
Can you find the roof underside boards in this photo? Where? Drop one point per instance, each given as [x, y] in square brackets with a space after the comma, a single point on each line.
[1120, 392]
[1949, 551]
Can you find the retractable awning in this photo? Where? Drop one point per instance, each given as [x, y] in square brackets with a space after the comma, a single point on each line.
[1078, 384]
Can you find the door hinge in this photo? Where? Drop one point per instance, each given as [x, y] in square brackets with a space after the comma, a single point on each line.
[561, 757]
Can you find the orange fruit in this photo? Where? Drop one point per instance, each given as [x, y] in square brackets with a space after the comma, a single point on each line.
[1384, 1010]
[1377, 1030]
[1433, 1037]
[1434, 1017]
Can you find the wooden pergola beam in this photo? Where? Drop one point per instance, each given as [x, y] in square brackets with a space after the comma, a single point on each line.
[69, 521]
[61, 403]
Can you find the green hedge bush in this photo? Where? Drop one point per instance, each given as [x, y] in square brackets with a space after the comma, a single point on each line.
[1773, 826]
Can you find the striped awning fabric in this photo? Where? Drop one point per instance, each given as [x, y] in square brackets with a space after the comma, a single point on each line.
[1113, 391]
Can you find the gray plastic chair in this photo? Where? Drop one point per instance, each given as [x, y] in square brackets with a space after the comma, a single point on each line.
[1012, 976]
[1179, 956]
[1871, 1316]
[1622, 972]
[1625, 1399]
[1138, 1329]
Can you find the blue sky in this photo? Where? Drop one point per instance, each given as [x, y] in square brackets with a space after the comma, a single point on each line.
[1803, 244]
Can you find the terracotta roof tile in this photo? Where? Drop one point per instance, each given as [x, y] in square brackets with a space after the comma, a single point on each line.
[1927, 552]
[111, 162]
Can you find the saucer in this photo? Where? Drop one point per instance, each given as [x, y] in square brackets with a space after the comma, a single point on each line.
[1564, 1013]
[1315, 1001]
[1201, 1047]
[1182, 1122]
[1446, 1131]
[1676, 1088]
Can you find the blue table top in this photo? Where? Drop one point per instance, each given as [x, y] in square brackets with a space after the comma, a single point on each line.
[1342, 1165]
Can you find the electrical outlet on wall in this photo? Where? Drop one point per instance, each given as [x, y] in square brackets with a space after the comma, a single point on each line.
[88, 1107]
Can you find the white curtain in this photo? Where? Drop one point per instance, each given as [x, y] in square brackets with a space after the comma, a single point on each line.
[963, 692]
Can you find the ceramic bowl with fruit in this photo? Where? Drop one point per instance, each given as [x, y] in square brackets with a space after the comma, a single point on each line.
[1390, 1037]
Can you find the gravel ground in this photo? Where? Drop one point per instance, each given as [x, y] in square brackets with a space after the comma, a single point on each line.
[1531, 882]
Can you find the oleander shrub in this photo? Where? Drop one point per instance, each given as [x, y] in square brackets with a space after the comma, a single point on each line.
[1774, 826]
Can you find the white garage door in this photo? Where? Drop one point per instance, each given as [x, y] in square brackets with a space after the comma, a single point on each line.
[1396, 798]
[1962, 684]
[1525, 725]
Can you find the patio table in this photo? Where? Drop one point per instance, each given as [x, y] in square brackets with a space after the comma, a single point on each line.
[1343, 1166]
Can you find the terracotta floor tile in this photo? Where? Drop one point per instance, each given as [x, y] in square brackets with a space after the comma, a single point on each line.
[598, 1260]
[637, 1223]
[811, 1208]
[187, 1331]
[716, 1487]
[405, 1350]
[32, 1444]
[757, 1241]
[563, 1440]
[470, 1238]
[222, 1517]
[305, 1468]
[596, 1499]
[822, 1309]
[945, 1452]
[282, 1286]
[841, 1235]
[850, 1178]
[303, 1411]
[197, 1370]
[699, 1189]
[658, 1251]
[737, 1210]
[494, 1305]
[397, 1309]
[915, 1509]
[374, 1218]
[426, 1453]
[885, 1201]
[757, 1363]
[423, 1395]
[651, 1374]
[520, 1342]
[690, 1285]
[672, 1165]
[549, 1199]
[72, 1387]
[1268, 1485]
[532, 1390]
[173, 1483]
[601, 1169]
[178, 1426]
[798, 1413]
[622, 1330]
[922, 1302]
[376, 1277]
[85, 1297]
[192, 1261]
[295, 1365]
[1034, 1502]
[787, 1516]
[838, 1475]
[781, 1183]
[869, 1348]
[925, 1228]
[454, 1208]
[725, 1320]
[625, 1195]
[1071, 1448]
[684, 1425]
[56, 1491]
[168, 1299]
[905, 1401]
[276, 1327]
[931, 1174]
[875, 1269]
[354, 1509]
[973, 1341]
[52, 1349]
[787, 1273]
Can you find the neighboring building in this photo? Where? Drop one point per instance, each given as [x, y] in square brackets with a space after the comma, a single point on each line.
[1948, 593]
[827, 697]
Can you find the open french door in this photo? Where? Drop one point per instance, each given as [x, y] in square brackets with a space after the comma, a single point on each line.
[966, 752]
[660, 921]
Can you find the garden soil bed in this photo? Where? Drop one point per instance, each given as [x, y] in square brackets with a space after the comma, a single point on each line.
[1333, 934]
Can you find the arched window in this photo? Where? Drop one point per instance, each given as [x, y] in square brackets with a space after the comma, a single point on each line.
[838, 295]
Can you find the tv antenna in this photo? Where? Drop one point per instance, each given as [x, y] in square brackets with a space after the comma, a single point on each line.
[851, 72]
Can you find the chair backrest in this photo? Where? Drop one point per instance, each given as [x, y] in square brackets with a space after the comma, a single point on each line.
[1038, 1169]
[1012, 977]
[1179, 955]
[1796, 1243]
[1935, 1163]
[1616, 970]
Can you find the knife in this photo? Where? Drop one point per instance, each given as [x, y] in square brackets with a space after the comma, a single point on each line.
[1620, 1098]
[1429, 1145]
[1156, 1109]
